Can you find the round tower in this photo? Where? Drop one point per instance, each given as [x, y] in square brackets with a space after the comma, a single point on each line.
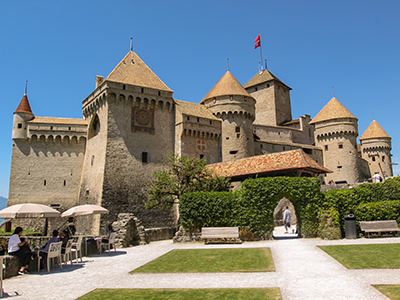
[22, 115]
[375, 148]
[336, 132]
[231, 103]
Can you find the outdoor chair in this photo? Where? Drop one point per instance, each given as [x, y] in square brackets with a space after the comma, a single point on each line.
[77, 247]
[53, 252]
[67, 256]
[111, 243]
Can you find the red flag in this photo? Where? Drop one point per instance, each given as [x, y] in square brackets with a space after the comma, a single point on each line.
[258, 42]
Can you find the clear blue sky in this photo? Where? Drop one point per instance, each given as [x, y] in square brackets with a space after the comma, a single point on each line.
[60, 46]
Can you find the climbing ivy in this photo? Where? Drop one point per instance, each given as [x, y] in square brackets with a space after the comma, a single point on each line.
[252, 206]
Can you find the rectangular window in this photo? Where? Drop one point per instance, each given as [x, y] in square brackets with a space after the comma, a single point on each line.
[326, 147]
[237, 129]
[340, 146]
[383, 158]
[145, 157]
[201, 156]
[44, 182]
[19, 125]
[373, 158]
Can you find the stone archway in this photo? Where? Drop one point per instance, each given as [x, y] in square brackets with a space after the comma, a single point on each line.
[278, 216]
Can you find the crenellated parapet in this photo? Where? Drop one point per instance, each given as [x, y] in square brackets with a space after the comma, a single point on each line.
[135, 96]
[344, 134]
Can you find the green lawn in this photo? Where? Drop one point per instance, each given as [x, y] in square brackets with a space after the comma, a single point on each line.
[379, 256]
[211, 260]
[391, 291]
[181, 294]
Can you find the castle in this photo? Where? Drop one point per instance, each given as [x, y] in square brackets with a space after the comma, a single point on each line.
[131, 123]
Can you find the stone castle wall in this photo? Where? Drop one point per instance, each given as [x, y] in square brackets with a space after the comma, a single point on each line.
[377, 153]
[133, 154]
[338, 141]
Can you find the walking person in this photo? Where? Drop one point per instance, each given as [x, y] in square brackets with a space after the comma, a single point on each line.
[287, 216]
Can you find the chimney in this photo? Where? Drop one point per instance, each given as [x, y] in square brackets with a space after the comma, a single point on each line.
[99, 80]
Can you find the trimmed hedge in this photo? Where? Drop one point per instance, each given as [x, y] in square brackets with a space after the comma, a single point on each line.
[377, 211]
[360, 202]
[252, 207]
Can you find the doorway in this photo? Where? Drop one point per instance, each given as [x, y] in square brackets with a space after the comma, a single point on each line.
[279, 230]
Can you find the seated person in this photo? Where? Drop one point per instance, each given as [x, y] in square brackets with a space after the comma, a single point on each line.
[105, 239]
[64, 238]
[42, 252]
[20, 248]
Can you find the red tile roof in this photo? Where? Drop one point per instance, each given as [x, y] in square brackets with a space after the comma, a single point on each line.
[268, 163]
[24, 106]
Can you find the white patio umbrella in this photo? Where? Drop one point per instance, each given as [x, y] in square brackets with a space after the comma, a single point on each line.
[84, 210]
[28, 210]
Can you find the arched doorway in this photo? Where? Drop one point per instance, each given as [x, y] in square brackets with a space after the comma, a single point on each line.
[279, 230]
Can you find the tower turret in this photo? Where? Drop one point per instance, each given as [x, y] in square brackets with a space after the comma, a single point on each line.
[336, 132]
[375, 148]
[231, 103]
[22, 115]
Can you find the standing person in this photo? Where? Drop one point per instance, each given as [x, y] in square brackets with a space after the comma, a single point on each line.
[42, 252]
[287, 215]
[377, 177]
[20, 248]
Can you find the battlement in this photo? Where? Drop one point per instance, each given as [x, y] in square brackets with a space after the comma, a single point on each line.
[57, 130]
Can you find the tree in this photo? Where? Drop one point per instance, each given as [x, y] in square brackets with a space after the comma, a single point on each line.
[183, 175]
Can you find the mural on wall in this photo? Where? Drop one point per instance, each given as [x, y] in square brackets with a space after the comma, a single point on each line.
[143, 120]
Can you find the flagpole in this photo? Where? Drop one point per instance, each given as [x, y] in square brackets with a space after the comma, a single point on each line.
[261, 55]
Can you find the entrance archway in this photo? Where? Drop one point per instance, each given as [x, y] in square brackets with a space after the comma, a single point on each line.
[279, 230]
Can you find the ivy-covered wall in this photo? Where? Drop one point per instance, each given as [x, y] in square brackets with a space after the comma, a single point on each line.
[318, 214]
[252, 207]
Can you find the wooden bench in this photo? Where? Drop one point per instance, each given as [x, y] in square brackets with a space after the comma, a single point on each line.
[379, 226]
[220, 235]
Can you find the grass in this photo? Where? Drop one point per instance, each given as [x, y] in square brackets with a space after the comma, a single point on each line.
[211, 260]
[181, 294]
[390, 290]
[379, 256]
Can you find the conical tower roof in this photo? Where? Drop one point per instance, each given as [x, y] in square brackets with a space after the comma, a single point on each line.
[332, 110]
[24, 106]
[227, 85]
[374, 130]
[261, 77]
[132, 70]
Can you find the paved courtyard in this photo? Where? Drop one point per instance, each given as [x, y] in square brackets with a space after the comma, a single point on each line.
[303, 271]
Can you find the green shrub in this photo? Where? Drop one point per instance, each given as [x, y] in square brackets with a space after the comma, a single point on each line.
[355, 200]
[380, 210]
[207, 209]
[252, 207]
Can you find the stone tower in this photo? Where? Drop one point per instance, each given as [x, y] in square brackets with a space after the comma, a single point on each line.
[231, 103]
[336, 132]
[272, 99]
[131, 133]
[375, 148]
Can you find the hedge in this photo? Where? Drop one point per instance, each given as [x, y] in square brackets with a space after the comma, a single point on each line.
[357, 201]
[252, 206]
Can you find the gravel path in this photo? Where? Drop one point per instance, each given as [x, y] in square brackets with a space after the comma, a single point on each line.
[303, 271]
